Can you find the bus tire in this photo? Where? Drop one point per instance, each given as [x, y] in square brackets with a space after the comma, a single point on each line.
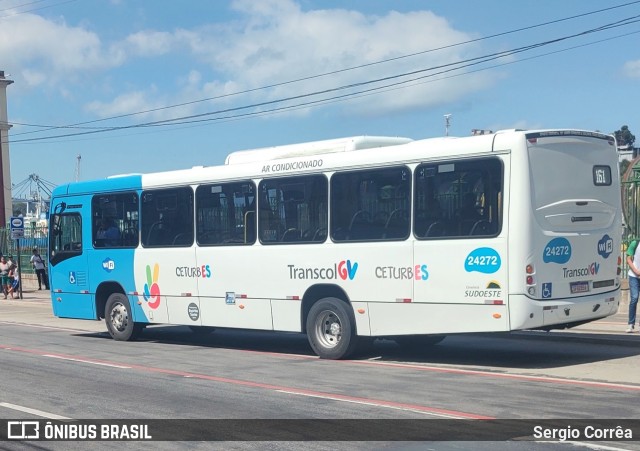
[119, 319]
[417, 342]
[331, 329]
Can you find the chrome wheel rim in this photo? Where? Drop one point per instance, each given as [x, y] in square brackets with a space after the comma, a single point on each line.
[119, 317]
[328, 329]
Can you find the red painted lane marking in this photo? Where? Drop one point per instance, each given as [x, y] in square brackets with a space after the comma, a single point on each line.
[369, 401]
[436, 369]
[376, 403]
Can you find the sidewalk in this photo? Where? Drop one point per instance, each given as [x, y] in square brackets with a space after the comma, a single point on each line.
[30, 290]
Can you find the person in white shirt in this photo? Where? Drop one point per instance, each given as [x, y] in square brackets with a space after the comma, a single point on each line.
[4, 275]
[41, 274]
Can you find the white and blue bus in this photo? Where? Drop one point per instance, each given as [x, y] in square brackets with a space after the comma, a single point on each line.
[350, 239]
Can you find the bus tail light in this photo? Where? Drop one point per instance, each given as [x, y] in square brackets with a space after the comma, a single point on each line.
[530, 279]
[619, 270]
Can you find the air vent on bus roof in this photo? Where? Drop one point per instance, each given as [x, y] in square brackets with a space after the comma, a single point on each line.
[123, 175]
[314, 148]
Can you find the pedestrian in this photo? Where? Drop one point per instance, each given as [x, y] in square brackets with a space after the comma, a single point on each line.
[4, 275]
[14, 276]
[633, 260]
[41, 273]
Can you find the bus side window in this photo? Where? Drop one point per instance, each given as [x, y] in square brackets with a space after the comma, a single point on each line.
[458, 199]
[293, 210]
[66, 237]
[115, 220]
[167, 217]
[225, 214]
[371, 205]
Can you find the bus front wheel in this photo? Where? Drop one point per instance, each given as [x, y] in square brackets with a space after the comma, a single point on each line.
[119, 319]
[330, 329]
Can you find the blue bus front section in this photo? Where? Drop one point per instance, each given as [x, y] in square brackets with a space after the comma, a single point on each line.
[76, 281]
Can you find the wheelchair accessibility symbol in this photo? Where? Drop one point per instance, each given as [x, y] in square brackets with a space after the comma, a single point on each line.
[72, 277]
[546, 290]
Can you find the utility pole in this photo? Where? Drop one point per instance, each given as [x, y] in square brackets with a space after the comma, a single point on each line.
[6, 208]
[78, 158]
[447, 123]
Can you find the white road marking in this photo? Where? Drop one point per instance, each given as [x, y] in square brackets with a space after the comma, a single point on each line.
[368, 403]
[40, 413]
[38, 326]
[589, 445]
[112, 365]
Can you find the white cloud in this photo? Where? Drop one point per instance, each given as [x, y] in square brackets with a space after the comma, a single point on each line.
[122, 104]
[42, 51]
[278, 41]
[631, 69]
[150, 43]
[272, 41]
[521, 124]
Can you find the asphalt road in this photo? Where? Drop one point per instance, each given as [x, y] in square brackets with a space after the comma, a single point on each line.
[67, 369]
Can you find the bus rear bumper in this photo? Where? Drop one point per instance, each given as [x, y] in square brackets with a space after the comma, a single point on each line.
[527, 313]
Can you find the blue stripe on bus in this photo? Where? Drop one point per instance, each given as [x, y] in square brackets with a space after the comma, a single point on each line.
[125, 182]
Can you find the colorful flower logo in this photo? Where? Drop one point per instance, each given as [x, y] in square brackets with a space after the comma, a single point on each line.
[151, 288]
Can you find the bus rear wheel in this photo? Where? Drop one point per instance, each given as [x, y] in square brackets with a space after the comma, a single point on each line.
[331, 329]
[119, 319]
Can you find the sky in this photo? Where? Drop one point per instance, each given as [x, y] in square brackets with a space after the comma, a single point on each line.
[139, 86]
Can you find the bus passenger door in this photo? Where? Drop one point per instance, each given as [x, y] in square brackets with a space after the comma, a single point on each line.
[69, 276]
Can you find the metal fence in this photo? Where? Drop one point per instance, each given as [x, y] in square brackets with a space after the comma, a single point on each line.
[35, 238]
[631, 208]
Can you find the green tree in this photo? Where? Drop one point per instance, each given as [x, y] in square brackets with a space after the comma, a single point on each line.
[624, 137]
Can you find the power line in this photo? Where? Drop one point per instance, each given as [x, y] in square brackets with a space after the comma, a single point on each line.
[364, 93]
[446, 68]
[20, 6]
[386, 88]
[311, 77]
[31, 10]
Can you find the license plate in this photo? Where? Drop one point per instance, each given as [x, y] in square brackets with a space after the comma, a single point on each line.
[579, 287]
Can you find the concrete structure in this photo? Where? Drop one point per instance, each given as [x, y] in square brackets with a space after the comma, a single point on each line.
[6, 207]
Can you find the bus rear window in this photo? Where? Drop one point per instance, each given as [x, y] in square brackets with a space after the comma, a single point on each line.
[571, 169]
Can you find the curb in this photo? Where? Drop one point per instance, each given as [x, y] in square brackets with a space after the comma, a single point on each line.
[606, 338]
